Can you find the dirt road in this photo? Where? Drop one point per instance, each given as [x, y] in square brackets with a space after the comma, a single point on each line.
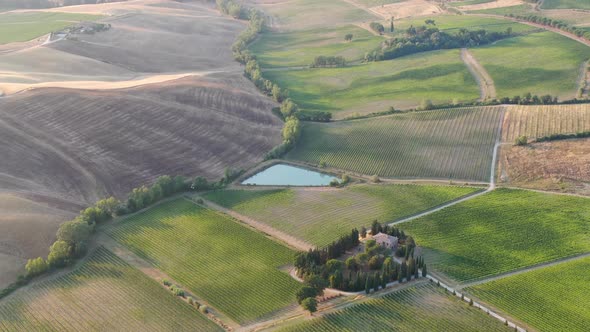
[484, 80]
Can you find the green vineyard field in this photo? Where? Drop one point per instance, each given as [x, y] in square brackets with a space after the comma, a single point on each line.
[233, 268]
[445, 144]
[553, 298]
[321, 216]
[104, 294]
[421, 308]
[502, 231]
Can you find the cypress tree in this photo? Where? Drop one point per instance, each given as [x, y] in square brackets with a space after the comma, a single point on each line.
[391, 27]
[424, 272]
[384, 279]
[368, 285]
[376, 281]
[416, 273]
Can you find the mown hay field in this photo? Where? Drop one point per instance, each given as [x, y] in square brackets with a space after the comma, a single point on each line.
[299, 48]
[321, 216]
[230, 266]
[105, 293]
[423, 307]
[554, 69]
[443, 144]
[21, 27]
[402, 83]
[502, 231]
[545, 120]
[553, 298]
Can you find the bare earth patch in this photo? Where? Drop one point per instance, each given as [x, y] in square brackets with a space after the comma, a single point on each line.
[562, 166]
[493, 4]
[411, 8]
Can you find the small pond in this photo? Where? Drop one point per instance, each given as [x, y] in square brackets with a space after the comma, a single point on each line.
[287, 175]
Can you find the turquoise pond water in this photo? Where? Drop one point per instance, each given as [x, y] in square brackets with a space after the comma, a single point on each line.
[287, 175]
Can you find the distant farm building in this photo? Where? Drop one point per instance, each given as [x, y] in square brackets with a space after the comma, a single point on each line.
[385, 240]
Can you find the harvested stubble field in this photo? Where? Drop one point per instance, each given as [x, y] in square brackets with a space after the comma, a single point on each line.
[310, 14]
[502, 231]
[299, 48]
[409, 8]
[554, 69]
[104, 294]
[545, 120]
[321, 216]
[21, 27]
[553, 298]
[230, 266]
[423, 307]
[561, 166]
[443, 144]
[20, 216]
[440, 76]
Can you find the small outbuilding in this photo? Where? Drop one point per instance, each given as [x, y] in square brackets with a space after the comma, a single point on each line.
[385, 240]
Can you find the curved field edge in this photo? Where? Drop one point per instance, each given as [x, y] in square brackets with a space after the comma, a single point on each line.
[422, 307]
[502, 231]
[322, 216]
[548, 299]
[105, 293]
[230, 266]
[455, 144]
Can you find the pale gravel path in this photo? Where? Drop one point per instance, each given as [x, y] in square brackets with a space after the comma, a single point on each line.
[484, 80]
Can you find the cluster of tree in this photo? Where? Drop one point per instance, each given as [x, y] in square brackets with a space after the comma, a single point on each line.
[143, 196]
[253, 72]
[530, 99]
[554, 137]
[233, 8]
[313, 286]
[291, 131]
[344, 180]
[316, 116]
[423, 39]
[521, 141]
[561, 25]
[328, 62]
[377, 27]
[348, 37]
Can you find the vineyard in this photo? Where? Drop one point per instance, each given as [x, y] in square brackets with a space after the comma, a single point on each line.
[554, 70]
[545, 120]
[423, 307]
[553, 298]
[104, 294]
[321, 216]
[444, 144]
[403, 83]
[231, 267]
[502, 231]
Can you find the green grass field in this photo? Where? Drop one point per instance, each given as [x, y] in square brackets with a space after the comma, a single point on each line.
[502, 231]
[20, 27]
[321, 216]
[553, 70]
[545, 120]
[452, 23]
[548, 299]
[309, 14]
[299, 48]
[232, 267]
[439, 76]
[443, 144]
[423, 307]
[104, 294]
[566, 4]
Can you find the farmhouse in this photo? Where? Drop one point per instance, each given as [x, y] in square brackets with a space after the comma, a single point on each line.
[385, 240]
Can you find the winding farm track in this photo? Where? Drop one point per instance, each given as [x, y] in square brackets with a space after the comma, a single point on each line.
[484, 80]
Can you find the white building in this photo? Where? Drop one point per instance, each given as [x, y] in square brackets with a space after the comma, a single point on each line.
[385, 240]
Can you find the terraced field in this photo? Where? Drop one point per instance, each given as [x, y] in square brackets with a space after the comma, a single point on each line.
[444, 144]
[553, 298]
[299, 48]
[321, 216]
[440, 76]
[231, 267]
[554, 69]
[545, 120]
[103, 294]
[21, 27]
[502, 231]
[421, 308]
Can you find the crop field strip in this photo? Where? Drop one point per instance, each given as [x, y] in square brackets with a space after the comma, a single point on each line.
[423, 307]
[443, 144]
[545, 120]
[552, 298]
[105, 293]
[502, 231]
[233, 268]
[320, 217]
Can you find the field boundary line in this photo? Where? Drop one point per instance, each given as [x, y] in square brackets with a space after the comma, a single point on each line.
[523, 270]
[266, 229]
[546, 192]
[486, 83]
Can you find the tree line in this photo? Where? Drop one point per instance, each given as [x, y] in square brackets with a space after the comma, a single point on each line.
[328, 62]
[555, 137]
[554, 23]
[423, 39]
